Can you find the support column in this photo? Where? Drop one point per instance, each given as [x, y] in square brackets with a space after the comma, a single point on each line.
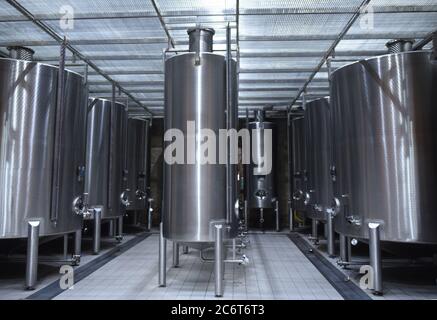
[119, 236]
[65, 251]
[291, 216]
[175, 255]
[314, 231]
[219, 261]
[97, 230]
[78, 243]
[330, 239]
[344, 248]
[111, 228]
[32, 254]
[375, 257]
[149, 216]
[277, 215]
[162, 257]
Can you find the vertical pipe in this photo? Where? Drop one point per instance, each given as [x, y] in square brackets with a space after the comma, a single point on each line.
[219, 261]
[162, 256]
[330, 234]
[229, 115]
[344, 252]
[375, 257]
[65, 251]
[32, 254]
[78, 243]
[185, 249]
[97, 230]
[291, 216]
[175, 254]
[277, 215]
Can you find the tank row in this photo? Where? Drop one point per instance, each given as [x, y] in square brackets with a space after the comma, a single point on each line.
[363, 159]
[64, 161]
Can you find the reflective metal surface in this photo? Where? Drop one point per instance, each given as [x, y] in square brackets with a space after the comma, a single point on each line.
[297, 126]
[106, 167]
[27, 147]
[261, 187]
[318, 145]
[195, 194]
[138, 163]
[385, 147]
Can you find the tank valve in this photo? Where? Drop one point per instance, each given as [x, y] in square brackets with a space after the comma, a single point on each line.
[297, 195]
[244, 260]
[124, 199]
[307, 198]
[80, 207]
[140, 194]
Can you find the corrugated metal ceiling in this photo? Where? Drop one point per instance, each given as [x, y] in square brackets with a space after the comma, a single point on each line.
[281, 42]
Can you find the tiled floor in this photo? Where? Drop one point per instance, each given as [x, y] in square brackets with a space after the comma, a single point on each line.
[277, 270]
[13, 274]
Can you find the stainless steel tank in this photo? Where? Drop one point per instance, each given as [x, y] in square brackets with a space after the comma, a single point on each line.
[105, 158]
[318, 144]
[138, 163]
[195, 90]
[261, 187]
[385, 147]
[42, 149]
[298, 163]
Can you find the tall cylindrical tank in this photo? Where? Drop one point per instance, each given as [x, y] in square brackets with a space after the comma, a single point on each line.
[385, 147]
[318, 143]
[105, 157]
[298, 161]
[42, 149]
[138, 163]
[195, 90]
[261, 187]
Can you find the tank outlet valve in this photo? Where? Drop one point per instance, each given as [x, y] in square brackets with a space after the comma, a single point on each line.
[140, 194]
[80, 207]
[298, 195]
[335, 207]
[124, 198]
[307, 198]
[244, 260]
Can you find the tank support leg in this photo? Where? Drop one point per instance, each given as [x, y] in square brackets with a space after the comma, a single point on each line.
[314, 231]
[78, 243]
[32, 254]
[261, 219]
[175, 255]
[149, 216]
[111, 228]
[162, 257]
[375, 257]
[134, 217]
[330, 239]
[65, 251]
[97, 230]
[185, 249]
[119, 236]
[344, 248]
[219, 261]
[246, 221]
[291, 216]
[277, 215]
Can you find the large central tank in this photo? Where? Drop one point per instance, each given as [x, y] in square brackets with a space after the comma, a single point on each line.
[385, 147]
[195, 90]
[261, 187]
[138, 163]
[319, 158]
[106, 165]
[38, 139]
